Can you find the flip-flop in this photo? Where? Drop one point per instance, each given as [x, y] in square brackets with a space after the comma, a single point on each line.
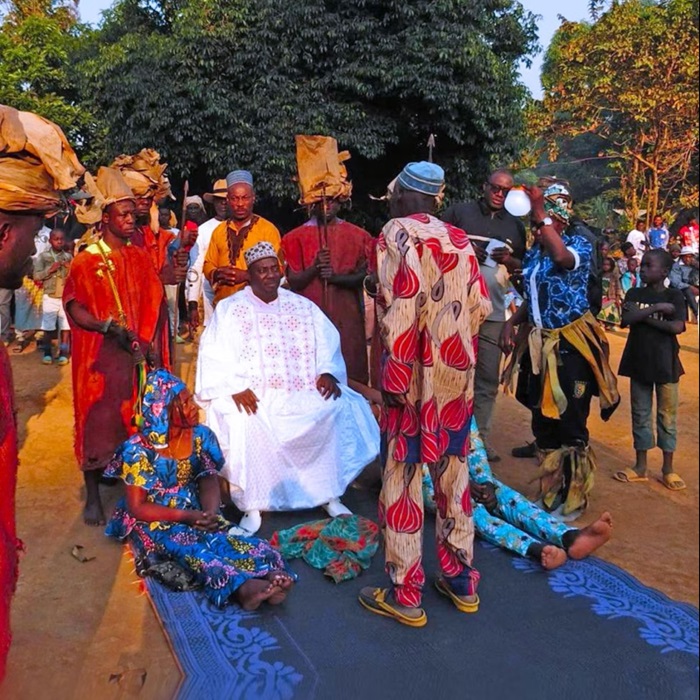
[376, 602]
[673, 482]
[629, 476]
[461, 605]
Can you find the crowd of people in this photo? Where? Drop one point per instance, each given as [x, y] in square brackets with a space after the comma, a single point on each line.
[622, 274]
[325, 351]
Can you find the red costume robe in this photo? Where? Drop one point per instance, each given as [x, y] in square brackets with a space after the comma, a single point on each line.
[350, 249]
[104, 376]
[9, 544]
[156, 245]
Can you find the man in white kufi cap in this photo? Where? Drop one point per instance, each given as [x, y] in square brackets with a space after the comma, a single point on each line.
[272, 379]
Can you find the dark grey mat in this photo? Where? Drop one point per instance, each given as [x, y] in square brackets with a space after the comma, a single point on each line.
[587, 630]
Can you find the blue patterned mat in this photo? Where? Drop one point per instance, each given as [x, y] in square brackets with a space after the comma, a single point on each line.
[587, 630]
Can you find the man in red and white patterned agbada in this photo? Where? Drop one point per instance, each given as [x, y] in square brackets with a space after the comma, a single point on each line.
[432, 300]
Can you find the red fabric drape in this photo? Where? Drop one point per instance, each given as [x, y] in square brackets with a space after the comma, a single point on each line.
[104, 386]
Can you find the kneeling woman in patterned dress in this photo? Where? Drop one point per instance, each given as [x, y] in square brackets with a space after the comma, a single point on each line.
[171, 511]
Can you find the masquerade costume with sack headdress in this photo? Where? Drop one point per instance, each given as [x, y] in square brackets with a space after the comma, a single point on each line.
[321, 169]
[36, 162]
[215, 561]
[145, 176]
[565, 362]
[122, 285]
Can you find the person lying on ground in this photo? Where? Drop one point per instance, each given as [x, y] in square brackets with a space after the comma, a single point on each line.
[507, 519]
[171, 509]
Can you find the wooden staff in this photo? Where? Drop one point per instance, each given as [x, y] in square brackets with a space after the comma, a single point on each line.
[324, 242]
[185, 192]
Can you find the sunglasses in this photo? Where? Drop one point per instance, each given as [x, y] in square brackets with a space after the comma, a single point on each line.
[498, 188]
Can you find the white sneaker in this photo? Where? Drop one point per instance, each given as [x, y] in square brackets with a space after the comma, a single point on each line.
[334, 508]
[251, 521]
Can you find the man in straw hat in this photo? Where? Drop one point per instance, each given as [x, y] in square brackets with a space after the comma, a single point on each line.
[114, 300]
[197, 285]
[273, 381]
[36, 162]
[431, 301]
[224, 264]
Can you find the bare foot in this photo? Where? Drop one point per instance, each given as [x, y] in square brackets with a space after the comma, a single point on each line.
[93, 514]
[284, 582]
[552, 557]
[591, 537]
[254, 592]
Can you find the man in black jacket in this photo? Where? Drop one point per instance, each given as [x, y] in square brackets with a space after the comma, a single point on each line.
[486, 219]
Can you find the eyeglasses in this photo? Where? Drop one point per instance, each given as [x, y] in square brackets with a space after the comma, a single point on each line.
[498, 188]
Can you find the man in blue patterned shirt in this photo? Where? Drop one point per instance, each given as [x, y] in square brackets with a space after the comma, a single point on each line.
[567, 363]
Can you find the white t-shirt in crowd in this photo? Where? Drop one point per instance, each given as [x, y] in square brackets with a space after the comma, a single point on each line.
[639, 240]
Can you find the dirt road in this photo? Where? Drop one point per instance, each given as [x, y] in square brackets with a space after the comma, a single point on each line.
[80, 628]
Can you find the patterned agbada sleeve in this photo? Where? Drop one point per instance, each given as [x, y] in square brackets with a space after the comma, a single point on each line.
[400, 284]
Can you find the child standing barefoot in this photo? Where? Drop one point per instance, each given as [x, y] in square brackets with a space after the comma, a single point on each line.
[655, 315]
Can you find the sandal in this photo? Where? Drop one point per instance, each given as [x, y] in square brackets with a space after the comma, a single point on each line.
[672, 481]
[629, 476]
[21, 346]
[374, 600]
[461, 605]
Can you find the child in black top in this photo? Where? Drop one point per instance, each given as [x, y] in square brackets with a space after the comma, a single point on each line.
[655, 315]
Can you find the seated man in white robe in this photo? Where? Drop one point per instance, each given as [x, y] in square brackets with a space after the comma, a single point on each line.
[273, 382]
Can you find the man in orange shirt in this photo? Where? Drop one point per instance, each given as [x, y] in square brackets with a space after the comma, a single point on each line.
[224, 266]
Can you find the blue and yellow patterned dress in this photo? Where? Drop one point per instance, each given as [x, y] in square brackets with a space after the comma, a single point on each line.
[220, 563]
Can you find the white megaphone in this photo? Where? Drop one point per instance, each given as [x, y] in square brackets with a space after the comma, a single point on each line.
[517, 202]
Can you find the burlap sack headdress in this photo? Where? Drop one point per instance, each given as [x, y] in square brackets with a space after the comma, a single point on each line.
[109, 187]
[36, 163]
[144, 173]
[321, 170]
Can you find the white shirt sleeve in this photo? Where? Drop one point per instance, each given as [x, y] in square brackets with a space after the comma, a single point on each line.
[195, 273]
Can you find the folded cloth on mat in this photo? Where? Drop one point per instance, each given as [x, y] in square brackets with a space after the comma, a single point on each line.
[341, 546]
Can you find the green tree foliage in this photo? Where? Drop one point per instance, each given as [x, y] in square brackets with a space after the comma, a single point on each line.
[63, 12]
[218, 84]
[630, 79]
[37, 38]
